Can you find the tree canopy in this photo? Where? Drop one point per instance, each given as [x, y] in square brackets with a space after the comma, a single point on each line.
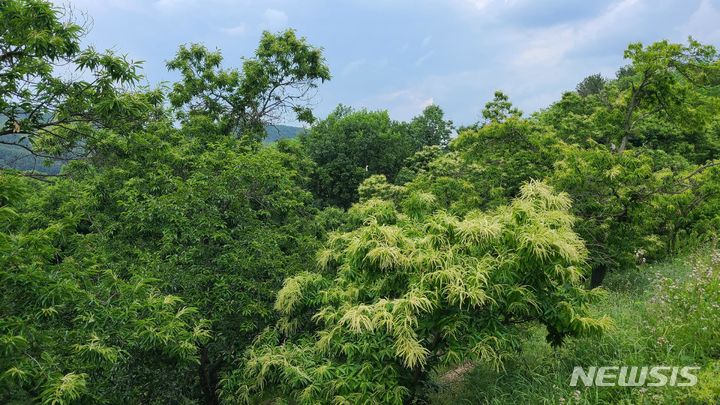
[415, 287]
[279, 79]
[176, 258]
[55, 116]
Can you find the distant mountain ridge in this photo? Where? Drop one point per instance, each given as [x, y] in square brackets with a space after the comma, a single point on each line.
[18, 158]
[278, 132]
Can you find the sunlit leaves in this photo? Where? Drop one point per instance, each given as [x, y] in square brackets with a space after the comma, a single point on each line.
[430, 288]
[64, 389]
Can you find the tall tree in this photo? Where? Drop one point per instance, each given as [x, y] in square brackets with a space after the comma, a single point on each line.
[279, 79]
[213, 223]
[591, 85]
[663, 79]
[53, 115]
[637, 145]
[500, 108]
[430, 127]
[349, 146]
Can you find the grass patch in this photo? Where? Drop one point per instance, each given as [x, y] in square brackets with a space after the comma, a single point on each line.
[665, 314]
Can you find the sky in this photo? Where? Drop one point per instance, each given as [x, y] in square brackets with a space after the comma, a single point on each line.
[402, 55]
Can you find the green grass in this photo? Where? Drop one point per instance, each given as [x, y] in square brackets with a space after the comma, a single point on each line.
[644, 334]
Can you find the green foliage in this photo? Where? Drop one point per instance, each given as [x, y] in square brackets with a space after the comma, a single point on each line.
[377, 186]
[663, 79]
[507, 154]
[688, 214]
[147, 272]
[665, 99]
[486, 166]
[72, 328]
[418, 163]
[348, 147]
[279, 79]
[500, 109]
[214, 223]
[430, 128]
[46, 114]
[638, 302]
[189, 207]
[640, 166]
[611, 194]
[591, 85]
[403, 294]
[452, 180]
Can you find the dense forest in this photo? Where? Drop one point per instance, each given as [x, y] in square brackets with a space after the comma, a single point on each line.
[175, 254]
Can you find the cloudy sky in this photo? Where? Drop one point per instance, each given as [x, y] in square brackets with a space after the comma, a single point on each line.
[402, 55]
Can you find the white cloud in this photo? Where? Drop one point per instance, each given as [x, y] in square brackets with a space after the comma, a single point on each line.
[403, 104]
[352, 67]
[419, 61]
[703, 24]
[549, 46]
[236, 30]
[426, 41]
[274, 19]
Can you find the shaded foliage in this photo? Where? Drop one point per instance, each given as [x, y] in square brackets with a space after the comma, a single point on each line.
[349, 146]
[72, 328]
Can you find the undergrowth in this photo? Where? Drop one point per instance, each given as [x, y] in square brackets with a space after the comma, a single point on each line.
[665, 314]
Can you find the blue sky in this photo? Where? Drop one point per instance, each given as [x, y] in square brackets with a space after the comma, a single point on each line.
[402, 55]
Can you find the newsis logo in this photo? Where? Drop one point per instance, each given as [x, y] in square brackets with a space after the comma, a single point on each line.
[634, 376]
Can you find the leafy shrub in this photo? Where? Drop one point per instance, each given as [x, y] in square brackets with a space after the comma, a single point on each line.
[687, 311]
[649, 329]
[71, 328]
[399, 296]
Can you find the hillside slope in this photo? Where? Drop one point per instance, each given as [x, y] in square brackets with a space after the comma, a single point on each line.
[665, 314]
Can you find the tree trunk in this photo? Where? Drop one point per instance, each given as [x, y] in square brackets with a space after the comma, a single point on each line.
[418, 392]
[673, 239]
[598, 275]
[208, 378]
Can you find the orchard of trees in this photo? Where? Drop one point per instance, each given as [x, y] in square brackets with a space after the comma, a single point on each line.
[176, 258]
